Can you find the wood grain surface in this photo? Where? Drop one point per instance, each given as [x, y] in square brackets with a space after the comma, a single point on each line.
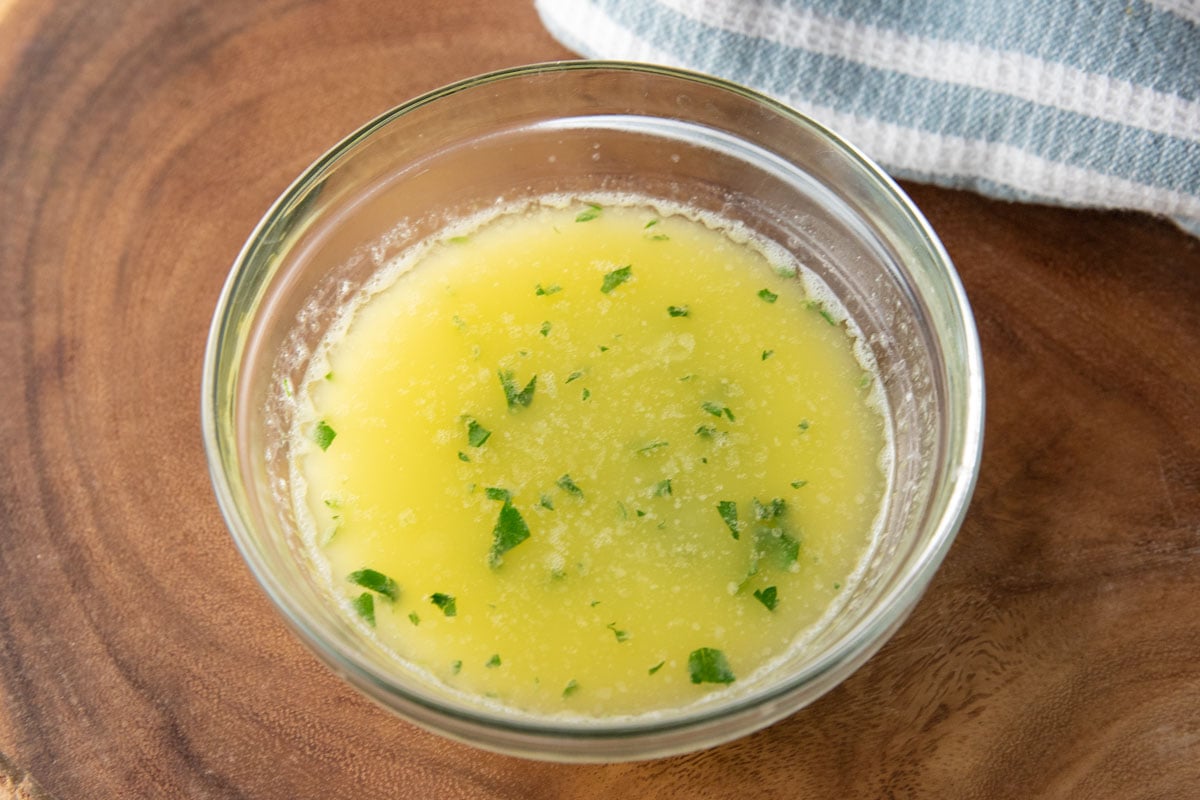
[1057, 653]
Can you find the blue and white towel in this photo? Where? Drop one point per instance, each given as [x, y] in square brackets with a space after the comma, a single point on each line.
[1075, 102]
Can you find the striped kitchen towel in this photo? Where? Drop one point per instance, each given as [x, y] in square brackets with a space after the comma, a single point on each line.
[1075, 102]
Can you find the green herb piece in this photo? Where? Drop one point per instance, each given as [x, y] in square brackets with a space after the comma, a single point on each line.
[571, 688]
[329, 375]
[542, 291]
[659, 237]
[496, 493]
[708, 665]
[777, 542]
[837, 586]
[820, 309]
[463, 456]
[594, 603]
[717, 410]
[663, 488]
[767, 354]
[650, 224]
[615, 278]
[728, 511]
[585, 394]
[686, 378]
[455, 667]
[515, 398]
[804, 425]
[545, 329]
[567, 485]
[622, 636]
[621, 508]
[678, 311]
[656, 444]
[459, 239]
[324, 435]
[375, 581]
[798, 484]
[768, 295]
[864, 381]
[590, 213]
[287, 389]
[769, 597]
[477, 434]
[493, 662]
[364, 606]
[706, 431]
[603, 348]
[640, 513]
[769, 511]
[510, 531]
[547, 502]
[459, 322]
[574, 376]
[655, 668]
[445, 602]
[413, 618]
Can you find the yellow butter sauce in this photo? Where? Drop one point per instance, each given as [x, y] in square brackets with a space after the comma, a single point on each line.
[545, 435]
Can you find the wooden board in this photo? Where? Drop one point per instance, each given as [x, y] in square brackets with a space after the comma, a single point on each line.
[1057, 653]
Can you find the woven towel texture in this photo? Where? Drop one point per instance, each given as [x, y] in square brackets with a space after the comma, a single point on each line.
[1076, 102]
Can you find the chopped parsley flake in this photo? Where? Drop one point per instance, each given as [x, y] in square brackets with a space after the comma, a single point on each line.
[455, 667]
[460, 239]
[287, 389]
[445, 602]
[493, 662]
[652, 446]
[804, 425]
[615, 278]
[542, 291]
[678, 311]
[820, 309]
[663, 488]
[769, 597]
[545, 329]
[767, 354]
[364, 606]
[650, 224]
[329, 376]
[706, 431]
[463, 456]
[585, 394]
[571, 688]
[769, 511]
[324, 435]
[510, 531]
[574, 376]
[622, 636]
[547, 502]
[477, 434]
[708, 665]
[375, 581]
[655, 668]
[659, 237]
[728, 511]
[798, 484]
[717, 410]
[768, 295]
[590, 213]
[515, 398]
[413, 618]
[567, 485]
[496, 493]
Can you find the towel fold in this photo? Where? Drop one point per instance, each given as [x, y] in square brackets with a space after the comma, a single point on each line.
[1090, 103]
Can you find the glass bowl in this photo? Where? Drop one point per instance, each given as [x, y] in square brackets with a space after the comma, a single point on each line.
[577, 128]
